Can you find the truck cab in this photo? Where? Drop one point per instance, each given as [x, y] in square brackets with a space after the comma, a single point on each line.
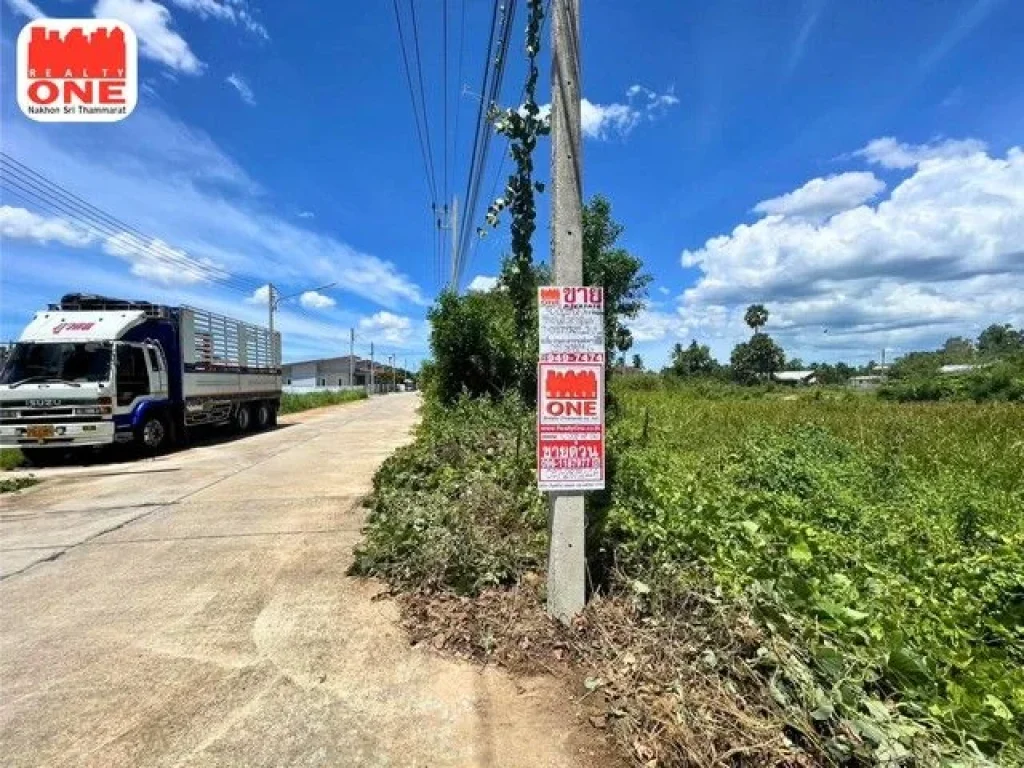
[72, 382]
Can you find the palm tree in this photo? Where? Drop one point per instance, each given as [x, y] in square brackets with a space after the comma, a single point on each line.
[756, 316]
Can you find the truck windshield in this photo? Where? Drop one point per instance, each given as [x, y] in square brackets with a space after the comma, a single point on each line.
[57, 362]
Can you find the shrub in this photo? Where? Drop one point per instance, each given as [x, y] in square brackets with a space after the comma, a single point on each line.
[458, 508]
[291, 403]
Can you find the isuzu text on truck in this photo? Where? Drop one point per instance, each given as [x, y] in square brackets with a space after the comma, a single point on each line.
[92, 371]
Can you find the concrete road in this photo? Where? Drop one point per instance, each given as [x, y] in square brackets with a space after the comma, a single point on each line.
[193, 610]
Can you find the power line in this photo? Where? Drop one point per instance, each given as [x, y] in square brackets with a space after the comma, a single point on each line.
[427, 166]
[490, 95]
[444, 90]
[423, 99]
[504, 153]
[34, 188]
[478, 138]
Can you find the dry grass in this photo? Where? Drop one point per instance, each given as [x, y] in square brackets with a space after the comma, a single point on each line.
[670, 693]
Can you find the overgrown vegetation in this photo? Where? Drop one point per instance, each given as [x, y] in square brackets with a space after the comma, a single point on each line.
[918, 379]
[880, 546]
[11, 484]
[458, 508]
[11, 458]
[291, 403]
[807, 581]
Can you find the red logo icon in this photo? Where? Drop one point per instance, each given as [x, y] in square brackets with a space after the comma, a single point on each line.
[77, 70]
[575, 385]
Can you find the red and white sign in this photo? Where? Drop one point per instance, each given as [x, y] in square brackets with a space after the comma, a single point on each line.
[570, 408]
[77, 70]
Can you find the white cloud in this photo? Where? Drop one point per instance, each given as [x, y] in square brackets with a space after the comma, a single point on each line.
[315, 300]
[654, 324]
[663, 290]
[482, 283]
[259, 297]
[617, 120]
[152, 24]
[820, 198]
[233, 11]
[26, 8]
[244, 91]
[307, 215]
[155, 260]
[385, 327]
[889, 153]
[22, 224]
[186, 191]
[943, 254]
[152, 259]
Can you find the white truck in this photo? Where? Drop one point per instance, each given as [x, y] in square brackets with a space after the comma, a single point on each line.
[92, 371]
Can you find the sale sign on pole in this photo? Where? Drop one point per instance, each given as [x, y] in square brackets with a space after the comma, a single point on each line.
[570, 408]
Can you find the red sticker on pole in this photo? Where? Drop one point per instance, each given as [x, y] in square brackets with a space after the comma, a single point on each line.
[570, 408]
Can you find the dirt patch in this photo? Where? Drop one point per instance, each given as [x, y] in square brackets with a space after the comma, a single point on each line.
[666, 694]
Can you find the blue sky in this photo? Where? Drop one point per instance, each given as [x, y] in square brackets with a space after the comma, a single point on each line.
[851, 165]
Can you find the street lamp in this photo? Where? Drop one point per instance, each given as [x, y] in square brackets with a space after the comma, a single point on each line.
[273, 300]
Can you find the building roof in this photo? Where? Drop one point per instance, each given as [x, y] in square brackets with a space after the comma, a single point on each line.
[962, 368]
[793, 375]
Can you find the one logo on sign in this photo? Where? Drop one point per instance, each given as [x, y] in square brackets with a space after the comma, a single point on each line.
[550, 295]
[574, 385]
[77, 70]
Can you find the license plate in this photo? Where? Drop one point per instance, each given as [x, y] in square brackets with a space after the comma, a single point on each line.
[39, 432]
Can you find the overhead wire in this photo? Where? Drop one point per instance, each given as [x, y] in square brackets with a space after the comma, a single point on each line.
[36, 189]
[479, 133]
[504, 153]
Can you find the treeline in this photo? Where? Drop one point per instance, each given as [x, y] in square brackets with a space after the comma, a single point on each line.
[988, 368]
[992, 365]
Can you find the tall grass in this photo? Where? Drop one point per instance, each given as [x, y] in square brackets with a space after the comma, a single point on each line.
[883, 542]
[292, 403]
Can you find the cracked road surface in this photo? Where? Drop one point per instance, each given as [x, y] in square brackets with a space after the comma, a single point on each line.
[193, 610]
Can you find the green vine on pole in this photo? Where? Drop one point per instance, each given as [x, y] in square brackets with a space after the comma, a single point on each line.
[523, 126]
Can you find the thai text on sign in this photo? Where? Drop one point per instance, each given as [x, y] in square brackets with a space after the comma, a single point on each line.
[570, 408]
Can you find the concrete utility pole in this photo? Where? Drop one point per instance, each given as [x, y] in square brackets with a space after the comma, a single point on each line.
[566, 556]
[274, 299]
[455, 242]
[372, 390]
[351, 357]
[271, 308]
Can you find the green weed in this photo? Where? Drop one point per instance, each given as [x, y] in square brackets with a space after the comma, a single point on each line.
[292, 403]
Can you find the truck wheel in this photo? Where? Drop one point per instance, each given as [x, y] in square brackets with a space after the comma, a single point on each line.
[263, 418]
[243, 418]
[152, 435]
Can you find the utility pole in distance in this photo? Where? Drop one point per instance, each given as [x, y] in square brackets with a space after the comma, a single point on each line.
[566, 515]
[372, 391]
[271, 307]
[351, 357]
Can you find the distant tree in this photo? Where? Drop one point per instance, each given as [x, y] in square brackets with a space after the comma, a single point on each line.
[474, 346]
[757, 359]
[638, 362]
[1000, 339]
[957, 349]
[756, 317]
[916, 365]
[621, 273]
[621, 361]
[796, 364]
[694, 360]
